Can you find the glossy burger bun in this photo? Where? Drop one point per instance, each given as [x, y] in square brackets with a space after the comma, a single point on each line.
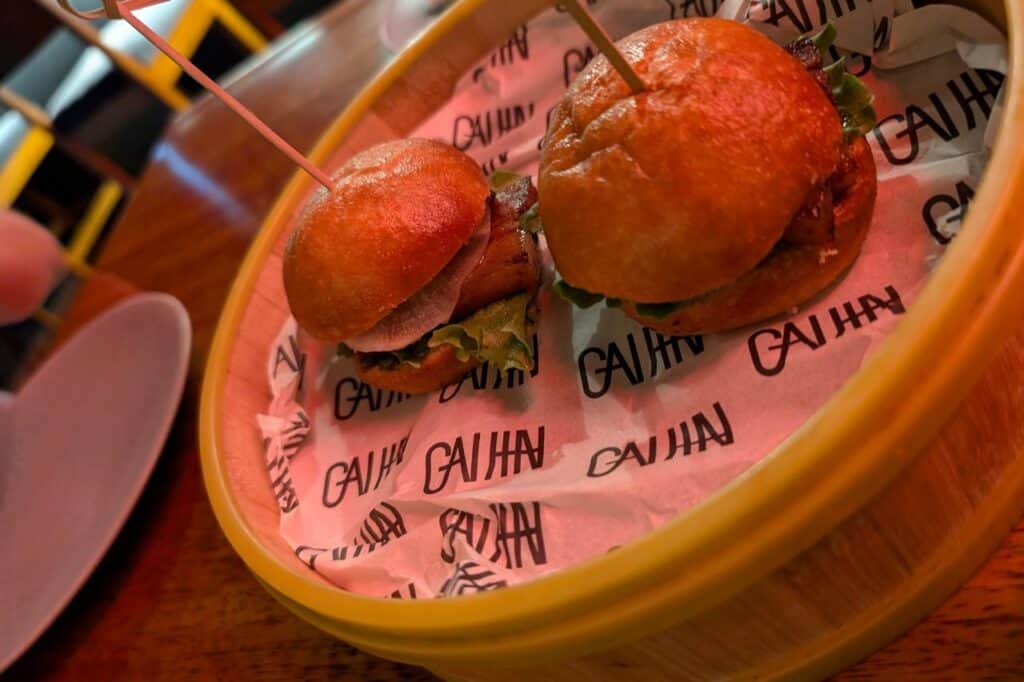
[397, 213]
[792, 273]
[683, 188]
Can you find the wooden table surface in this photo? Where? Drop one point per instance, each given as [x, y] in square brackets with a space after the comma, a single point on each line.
[172, 600]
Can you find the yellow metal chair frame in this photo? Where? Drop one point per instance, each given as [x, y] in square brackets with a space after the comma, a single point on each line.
[23, 162]
[26, 158]
[193, 25]
[159, 76]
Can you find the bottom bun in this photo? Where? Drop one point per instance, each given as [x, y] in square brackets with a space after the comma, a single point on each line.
[791, 274]
[438, 368]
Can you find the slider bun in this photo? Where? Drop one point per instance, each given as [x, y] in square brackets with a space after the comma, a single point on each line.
[398, 212]
[791, 274]
[681, 189]
[439, 368]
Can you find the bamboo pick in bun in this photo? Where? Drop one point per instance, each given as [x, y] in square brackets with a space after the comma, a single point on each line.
[735, 187]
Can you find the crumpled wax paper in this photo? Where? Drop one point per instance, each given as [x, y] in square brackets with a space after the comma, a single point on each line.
[506, 476]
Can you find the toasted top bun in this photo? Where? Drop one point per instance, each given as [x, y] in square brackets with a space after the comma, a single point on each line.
[681, 189]
[398, 212]
[792, 273]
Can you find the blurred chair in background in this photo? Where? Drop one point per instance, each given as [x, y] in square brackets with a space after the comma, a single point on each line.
[183, 23]
[23, 162]
[81, 105]
[60, 75]
[193, 24]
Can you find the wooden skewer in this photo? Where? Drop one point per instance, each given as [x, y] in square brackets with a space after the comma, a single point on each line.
[604, 43]
[124, 9]
[28, 109]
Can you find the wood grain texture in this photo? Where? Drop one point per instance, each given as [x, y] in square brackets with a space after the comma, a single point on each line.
[172, 600]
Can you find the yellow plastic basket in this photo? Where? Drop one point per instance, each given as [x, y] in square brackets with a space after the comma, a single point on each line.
[766, 578]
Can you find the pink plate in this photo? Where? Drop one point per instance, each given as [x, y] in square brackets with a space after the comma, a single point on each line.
[77, 445]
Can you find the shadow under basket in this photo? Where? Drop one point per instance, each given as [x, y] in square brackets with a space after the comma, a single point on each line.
[853, 529]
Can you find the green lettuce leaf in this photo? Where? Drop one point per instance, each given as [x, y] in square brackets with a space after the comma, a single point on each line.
[835, 71]
[501, 178]
[581, 298]
[860, 124]
[851, 94]
[824, 38]
[530, 221]
[497, 333]
[853, 99]
[412, 354]
[658, 311]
